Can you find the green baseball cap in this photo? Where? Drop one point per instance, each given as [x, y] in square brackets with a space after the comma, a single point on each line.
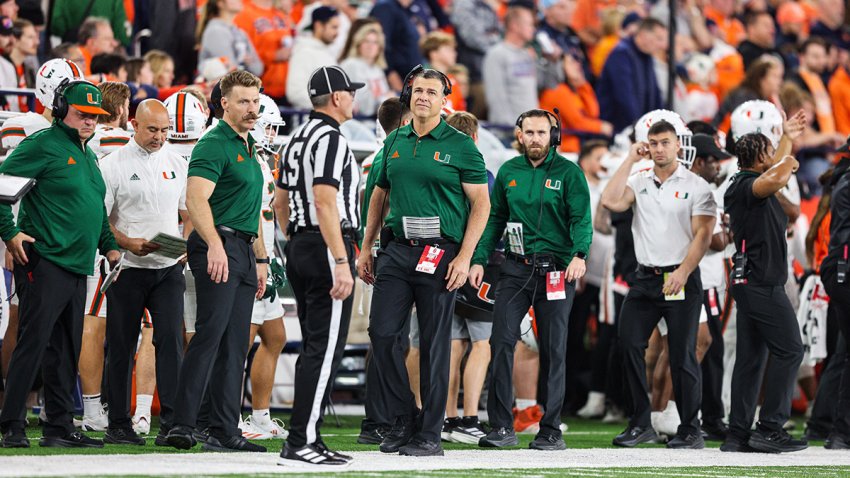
[85, 97]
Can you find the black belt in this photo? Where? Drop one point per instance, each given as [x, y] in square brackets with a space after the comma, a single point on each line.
[437, 241]
[239, 234]
[540, 260]
[346, 232]
[656, 270]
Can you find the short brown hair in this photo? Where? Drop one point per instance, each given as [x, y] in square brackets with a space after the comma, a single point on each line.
[115, 94]
[239, 78]
[464, 122]
[433, 41]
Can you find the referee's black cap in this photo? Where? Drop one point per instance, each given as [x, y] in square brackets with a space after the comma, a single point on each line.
[328, 79]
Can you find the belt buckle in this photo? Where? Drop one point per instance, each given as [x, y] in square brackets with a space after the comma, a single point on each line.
[657, 271]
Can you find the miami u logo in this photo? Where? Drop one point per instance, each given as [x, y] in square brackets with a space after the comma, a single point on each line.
[166, 175]
[484, 292]
[555, 185]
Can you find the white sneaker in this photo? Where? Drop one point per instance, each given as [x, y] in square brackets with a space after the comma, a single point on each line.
[97, 423]
[261, 430]
[613, 415]
[595, 406]
[668, 421]
[142, 424]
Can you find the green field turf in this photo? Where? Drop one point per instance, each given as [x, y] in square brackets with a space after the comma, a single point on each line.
[581, 434]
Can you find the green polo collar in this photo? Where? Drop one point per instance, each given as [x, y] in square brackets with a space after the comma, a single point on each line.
[436, 133]
[229, 132]
[72, 133]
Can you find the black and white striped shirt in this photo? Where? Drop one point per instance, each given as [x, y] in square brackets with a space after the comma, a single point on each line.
[317, 153]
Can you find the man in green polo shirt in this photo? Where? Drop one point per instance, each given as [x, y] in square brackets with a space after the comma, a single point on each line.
[435, 185]
[61, 223]
[223, 197]
[543, 201]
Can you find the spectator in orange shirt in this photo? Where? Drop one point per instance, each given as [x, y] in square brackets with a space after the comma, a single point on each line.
[762, 82]
[613, 23]
[440, 52]
[839, 91]
[587, 19]
[271, 29]
[95, 37]
[577, 105]
[722, 12]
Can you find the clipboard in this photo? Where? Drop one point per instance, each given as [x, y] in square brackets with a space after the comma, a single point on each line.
[113, 274]
[170, 246]
[13, 188]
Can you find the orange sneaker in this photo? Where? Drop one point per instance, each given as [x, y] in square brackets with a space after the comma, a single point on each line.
[527, 420]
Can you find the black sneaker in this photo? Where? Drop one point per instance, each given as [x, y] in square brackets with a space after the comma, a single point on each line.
[634, 436]
[371, 437]
[498, 438]
[309, 455]
[322, 446]
[449, 426]
[769, 441]
[122, 436]
[15, 438]
[736, 444]
[715, 431]
[815, 434]
[201, 435]
[419, 447]
[71, 440]
[181, 437]
[469, 431]
[837, 442]
[690, 441]
[547, 442]
[400, 434]
[234, 443]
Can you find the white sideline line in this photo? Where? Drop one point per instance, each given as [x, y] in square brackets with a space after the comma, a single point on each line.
[157, 464]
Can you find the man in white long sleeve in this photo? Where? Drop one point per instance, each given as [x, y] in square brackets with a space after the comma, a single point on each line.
[310, 53]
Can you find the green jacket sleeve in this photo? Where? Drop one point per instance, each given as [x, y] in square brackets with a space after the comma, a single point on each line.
[119, 23]
[499, 215]
[578, 204]
[21, 162]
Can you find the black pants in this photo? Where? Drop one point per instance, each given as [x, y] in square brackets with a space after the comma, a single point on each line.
[160, 291]
[585, 304]
[220, 344]
[839, 296]
[520, 287]
[829, 386]
[324, 329]
[766, 323]
[712, 363]
[644, 306]
[50, 332]
[397, 287]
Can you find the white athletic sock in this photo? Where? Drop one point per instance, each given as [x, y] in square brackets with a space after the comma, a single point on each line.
[262, 416]
[143, 405]
[91, 405]
[523, 403]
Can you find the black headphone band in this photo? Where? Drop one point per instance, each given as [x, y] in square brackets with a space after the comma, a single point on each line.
[407, 85]
[60, 103]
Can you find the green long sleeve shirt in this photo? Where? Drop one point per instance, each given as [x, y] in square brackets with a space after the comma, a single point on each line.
[564, 226]
[64, 211]
[68, 15]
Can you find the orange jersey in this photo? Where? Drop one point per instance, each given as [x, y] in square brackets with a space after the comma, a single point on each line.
[456, 100]
[821, 245]
[579, 110]
[587, 14]
[839, 93]
[600, 53]
[731, 28]
[268, 29]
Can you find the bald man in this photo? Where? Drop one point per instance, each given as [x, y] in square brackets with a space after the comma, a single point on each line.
[145, 192]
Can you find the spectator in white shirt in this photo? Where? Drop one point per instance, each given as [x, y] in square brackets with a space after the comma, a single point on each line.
[365, 63]
[311, 52]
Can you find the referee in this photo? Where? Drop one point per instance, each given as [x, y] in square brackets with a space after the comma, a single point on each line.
[323, 181]
[766, 321]
[434, 183]
[223, 197]
[544, 202]
[674, 217]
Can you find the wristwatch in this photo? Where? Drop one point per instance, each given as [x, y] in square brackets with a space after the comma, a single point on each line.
[341, 260]
[580, 255]
[264, 261]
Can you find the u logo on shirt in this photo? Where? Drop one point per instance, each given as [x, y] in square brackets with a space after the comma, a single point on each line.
[680, 195]
[166, 175]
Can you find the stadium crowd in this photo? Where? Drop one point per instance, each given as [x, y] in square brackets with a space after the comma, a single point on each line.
[695, 192]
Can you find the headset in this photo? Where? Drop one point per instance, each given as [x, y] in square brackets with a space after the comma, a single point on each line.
[60, 103]
[407, 87]
[554, 130]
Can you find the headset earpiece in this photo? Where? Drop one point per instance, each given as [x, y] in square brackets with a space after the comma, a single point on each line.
[60, 103]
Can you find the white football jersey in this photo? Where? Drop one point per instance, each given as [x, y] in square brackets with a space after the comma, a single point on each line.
[108, 139]
[17, 128]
